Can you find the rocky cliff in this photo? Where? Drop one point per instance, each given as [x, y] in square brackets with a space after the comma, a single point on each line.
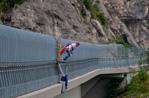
[79, 19]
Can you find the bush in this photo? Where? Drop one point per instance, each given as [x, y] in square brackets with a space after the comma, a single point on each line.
[142, 74]
[139, 85]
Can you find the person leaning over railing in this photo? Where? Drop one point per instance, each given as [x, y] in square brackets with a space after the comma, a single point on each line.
[68, 49]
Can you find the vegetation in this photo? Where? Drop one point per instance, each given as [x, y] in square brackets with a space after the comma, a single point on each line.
[147, 56]
[139, 87]
[2, 7]
[119, 40]
[99, 16]
[88, 4]
[141, 61]
[8, 4]
[95, 13]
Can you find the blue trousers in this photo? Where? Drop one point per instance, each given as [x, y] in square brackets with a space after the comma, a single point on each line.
[67, 56]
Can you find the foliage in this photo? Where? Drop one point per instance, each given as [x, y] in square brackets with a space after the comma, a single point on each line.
[95, 13]
[147, 56]
[139, 86]
[119, 40]
[141, 61]
[88, 4]
[142, 75]
[2, 6]
[8, 4]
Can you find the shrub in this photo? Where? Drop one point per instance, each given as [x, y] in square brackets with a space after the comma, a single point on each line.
[139, 83]
[139, 86]
[142, 74]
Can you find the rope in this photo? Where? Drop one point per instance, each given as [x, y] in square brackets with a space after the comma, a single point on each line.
[60, 69]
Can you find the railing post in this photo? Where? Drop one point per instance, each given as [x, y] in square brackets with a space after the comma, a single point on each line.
[58, 47]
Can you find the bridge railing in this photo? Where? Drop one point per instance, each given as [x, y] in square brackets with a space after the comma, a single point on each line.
[27, 60]
[22, 78]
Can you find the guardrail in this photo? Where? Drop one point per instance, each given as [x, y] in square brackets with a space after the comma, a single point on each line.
[22, 78]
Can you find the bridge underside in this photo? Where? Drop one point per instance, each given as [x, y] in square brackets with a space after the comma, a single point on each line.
[101, 86]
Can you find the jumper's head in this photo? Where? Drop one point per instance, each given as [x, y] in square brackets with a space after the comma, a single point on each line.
[77, 44]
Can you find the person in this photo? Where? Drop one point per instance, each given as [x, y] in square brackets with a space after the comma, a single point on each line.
[68, 49]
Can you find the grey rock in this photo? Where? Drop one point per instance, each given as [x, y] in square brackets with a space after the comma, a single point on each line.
[43, 15]
[130, 17]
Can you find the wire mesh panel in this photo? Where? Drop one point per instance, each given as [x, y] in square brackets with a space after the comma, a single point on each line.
[20, 79]
[21, 46]
[27, 62]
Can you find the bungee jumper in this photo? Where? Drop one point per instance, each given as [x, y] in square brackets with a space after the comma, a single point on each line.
[67, 51]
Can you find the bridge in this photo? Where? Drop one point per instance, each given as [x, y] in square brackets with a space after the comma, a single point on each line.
[28, 65]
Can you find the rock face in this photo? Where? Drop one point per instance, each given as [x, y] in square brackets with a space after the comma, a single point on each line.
[43, 15]
[130, 17]
[74, 21]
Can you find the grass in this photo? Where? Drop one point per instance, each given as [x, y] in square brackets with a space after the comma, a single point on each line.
[95, 13]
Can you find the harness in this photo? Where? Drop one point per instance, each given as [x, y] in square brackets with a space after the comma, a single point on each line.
[72, 48]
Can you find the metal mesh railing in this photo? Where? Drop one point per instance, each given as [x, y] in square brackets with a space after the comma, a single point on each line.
[21, 78]
[24, 77]
[24, 67]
